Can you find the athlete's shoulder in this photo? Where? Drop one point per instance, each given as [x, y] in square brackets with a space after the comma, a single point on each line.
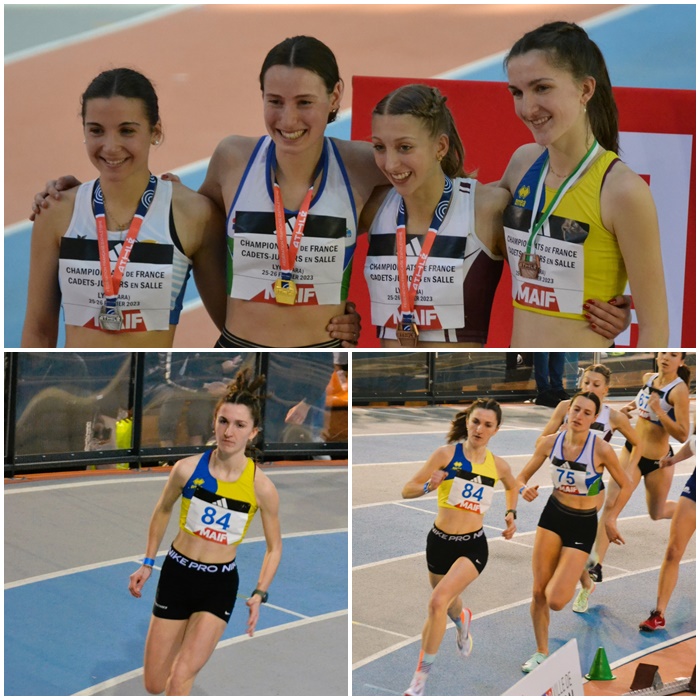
[491, 198]
[358, 158]
[520, 162]
[235, 149]
[185, 468]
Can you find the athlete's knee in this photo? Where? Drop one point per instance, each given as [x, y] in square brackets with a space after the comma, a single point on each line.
[674, 552]
[658, 512]
[557, 602]
[438, 603]
[181, 676]
[153, 685]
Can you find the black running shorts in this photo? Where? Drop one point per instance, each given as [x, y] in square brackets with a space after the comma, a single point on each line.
[187, 586]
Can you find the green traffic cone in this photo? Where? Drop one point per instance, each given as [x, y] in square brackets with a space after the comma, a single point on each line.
[600, 668]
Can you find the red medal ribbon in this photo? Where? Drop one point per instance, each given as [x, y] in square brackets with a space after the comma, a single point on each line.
[288, 253]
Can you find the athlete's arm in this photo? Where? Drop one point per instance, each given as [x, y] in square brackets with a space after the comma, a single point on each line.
[543, 448]
[679, 398]
[160, 518]
[268, 502]
[605, 456]
[431, 473]
[686, 452]
[557, 418]
[206, 245]
[628, 211]
[511, 485]
[44, 295]
[488, 218]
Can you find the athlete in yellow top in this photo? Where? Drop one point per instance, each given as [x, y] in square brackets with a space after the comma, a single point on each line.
[221, 491]
[602, 226]
[464, 473]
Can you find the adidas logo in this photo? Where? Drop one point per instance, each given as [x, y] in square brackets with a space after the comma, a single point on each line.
[221, 503]
[477, 480]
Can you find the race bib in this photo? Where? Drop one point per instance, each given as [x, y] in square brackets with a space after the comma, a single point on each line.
[558, 285]
[642, 402]
[216, 518]
[471, 491]
[570, 477]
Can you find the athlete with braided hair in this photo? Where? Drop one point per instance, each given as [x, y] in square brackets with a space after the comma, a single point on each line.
[221, 490]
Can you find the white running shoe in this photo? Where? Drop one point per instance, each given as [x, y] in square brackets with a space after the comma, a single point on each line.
[417, 686]
[464, 639]
[533, 662]
[581, 601]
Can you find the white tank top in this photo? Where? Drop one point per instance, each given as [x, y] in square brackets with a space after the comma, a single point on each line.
[153, 285]
[601, 426]
[322, 268]
[644, 394]
[578, 476]
[458, 266]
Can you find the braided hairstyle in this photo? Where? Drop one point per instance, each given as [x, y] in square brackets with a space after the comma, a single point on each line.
[569, 47]
[427, 104]
[246, 390]
[458, 429]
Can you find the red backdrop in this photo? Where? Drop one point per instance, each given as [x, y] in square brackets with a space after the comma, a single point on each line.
[491, 132]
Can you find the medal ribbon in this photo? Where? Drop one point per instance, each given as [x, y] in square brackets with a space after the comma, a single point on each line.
[408, 290]
[536, 226]
[111, 283]
[288, 253]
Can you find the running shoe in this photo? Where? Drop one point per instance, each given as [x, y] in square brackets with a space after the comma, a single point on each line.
[533, 662]
[655, 622]
[464, 639]
[581, 601]
[596, 573]
[417, 686]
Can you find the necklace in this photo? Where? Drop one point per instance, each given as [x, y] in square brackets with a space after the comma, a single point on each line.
[556, 174]
[120, 227]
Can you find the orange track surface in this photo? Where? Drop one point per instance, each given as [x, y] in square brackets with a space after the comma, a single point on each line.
[205, 63]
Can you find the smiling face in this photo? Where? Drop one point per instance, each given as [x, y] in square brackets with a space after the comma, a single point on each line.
[234, 428]
[406, 153]
[296, 107]
[547, 98]
[118, 136]
[582, 413]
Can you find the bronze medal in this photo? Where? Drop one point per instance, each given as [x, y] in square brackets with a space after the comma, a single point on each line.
[285, 291]
[529, 266]
[407, 335]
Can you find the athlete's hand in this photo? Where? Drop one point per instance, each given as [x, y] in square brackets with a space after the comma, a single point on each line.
[654, 403]
[612, 532]
[510, 527]
[436, 478]
[138, 579]
[667, 461]
[530, 493]
[297, 414]
[253, 604]
[52, 190]
[610, 318]
[171, 177]
[346, 327]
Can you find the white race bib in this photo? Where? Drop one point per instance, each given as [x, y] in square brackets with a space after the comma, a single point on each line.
[216, 518]
[471, 491]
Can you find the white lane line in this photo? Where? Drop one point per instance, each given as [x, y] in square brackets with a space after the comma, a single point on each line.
[92, 690]
[137, 560]
[110, 28]
[503, 608]
[379, 629]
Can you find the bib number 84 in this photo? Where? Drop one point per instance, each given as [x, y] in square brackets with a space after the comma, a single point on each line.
[208, 518]
[469, 492]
